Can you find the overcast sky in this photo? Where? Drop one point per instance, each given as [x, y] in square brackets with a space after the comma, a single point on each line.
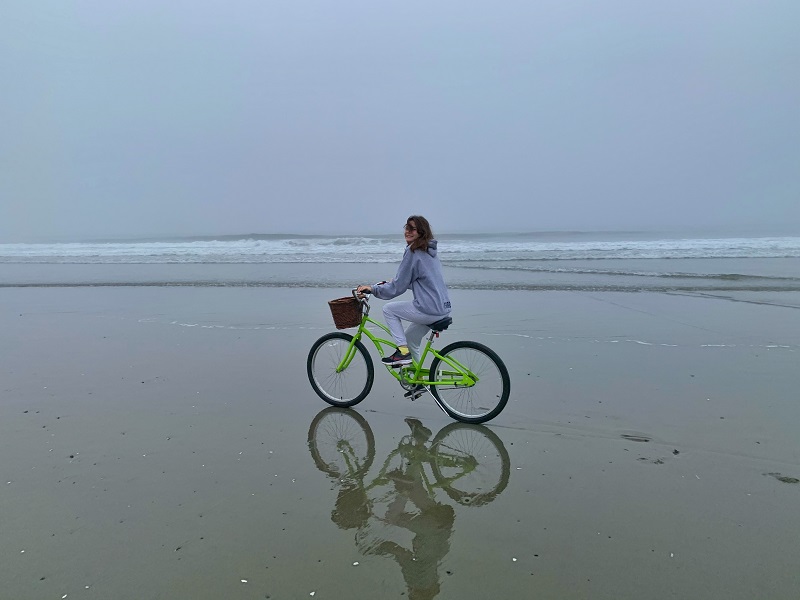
[155, 117]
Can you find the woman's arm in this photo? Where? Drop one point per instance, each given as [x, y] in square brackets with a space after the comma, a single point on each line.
[401, 282]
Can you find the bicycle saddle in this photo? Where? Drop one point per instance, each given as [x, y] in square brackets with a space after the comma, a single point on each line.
[441, 324]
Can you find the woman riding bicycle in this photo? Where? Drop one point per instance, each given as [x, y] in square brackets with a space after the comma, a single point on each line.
[467, 379]
[421, 271]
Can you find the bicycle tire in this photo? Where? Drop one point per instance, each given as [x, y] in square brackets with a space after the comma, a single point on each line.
[476, 403]
[492, 469]
[331, 428]
[348, 387]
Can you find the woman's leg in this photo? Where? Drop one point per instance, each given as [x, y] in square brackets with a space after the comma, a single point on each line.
[393, 312]
[414, 334]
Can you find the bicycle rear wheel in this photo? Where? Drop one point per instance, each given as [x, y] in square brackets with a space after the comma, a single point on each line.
[347, 387]
[470, 463]
[467, 402]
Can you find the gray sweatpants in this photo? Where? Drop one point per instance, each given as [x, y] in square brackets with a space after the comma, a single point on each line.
[393, 312]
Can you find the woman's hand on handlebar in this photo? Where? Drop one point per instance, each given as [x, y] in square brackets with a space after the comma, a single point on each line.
[363, 290]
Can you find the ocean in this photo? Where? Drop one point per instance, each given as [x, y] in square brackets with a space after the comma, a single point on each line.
[601, 261]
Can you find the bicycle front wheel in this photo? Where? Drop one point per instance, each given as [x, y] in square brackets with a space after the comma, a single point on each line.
[341, 443]
[344, 387]
[475, 388]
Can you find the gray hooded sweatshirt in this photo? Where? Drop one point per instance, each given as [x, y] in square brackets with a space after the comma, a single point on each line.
[422, 272]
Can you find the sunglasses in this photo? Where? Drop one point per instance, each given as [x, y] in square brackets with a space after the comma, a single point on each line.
[408, 227]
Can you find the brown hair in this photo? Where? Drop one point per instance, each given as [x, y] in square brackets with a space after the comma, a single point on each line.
[423, 229]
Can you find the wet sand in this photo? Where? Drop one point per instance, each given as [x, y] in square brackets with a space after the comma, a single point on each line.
[155, 444]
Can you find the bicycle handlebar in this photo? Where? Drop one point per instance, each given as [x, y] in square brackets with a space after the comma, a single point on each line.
[364, 294]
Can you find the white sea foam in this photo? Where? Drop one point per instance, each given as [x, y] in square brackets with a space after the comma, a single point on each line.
[384, 249]
[567, 261]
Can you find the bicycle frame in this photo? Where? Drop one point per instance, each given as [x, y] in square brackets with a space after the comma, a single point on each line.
[411, 453]
[416, 374]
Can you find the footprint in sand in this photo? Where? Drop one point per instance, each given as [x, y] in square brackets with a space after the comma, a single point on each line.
[655, 461]
[783, 479]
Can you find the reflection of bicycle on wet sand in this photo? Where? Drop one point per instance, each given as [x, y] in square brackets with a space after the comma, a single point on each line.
[468, 462]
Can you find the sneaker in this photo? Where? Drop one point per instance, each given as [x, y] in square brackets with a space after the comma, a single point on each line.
[419, 432]
[415, 392]
[397, 359]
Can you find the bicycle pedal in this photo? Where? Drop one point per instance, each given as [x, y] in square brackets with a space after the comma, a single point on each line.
[415, 395]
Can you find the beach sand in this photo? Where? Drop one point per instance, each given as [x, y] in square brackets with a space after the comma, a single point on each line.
[155, 444]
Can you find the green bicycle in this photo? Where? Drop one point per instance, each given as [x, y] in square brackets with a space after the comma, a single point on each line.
[467, 380]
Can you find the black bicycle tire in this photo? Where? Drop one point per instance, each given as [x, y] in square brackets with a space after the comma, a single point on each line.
[501, 367]
[313, 445]
[367, 361]
[463, 497]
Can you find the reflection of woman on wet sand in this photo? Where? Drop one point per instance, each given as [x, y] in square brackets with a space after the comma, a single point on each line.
[430, 521]
[342, 446]
[431, 524]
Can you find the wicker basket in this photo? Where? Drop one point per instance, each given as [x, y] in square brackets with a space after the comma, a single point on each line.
[346, 312]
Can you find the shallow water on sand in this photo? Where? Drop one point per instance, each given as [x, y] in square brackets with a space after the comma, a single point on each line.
[722, 276]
